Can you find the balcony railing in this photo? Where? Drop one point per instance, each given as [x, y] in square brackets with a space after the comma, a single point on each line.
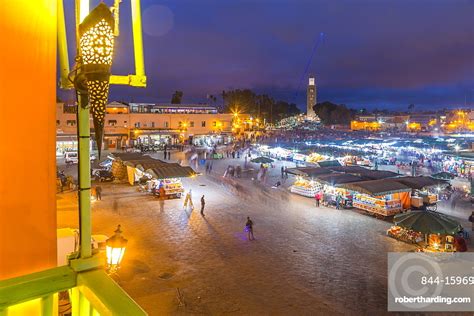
[91, 292]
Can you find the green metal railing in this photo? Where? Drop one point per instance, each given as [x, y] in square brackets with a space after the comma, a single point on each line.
[92, 292]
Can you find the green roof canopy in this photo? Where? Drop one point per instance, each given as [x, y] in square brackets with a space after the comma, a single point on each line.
[262, 159]
[427, 222]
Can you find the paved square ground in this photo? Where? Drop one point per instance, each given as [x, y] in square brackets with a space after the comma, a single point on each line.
[305, 260]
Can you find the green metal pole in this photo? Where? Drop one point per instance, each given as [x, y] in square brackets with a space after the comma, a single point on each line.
[62, 49]
[84, 172]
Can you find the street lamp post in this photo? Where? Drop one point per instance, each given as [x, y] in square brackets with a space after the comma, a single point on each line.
[115, 249]
[91, 81]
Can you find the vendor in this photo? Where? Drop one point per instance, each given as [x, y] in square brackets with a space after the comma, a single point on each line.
[460, 242]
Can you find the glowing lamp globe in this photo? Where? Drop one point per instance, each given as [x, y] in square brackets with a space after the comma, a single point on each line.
[115, 249]
[96, 40]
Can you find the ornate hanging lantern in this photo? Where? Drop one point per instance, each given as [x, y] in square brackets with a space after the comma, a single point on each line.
[96, 40]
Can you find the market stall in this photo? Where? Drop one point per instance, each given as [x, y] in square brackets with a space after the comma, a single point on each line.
[380, 197]
[331, 190]
[305, 187]
[153, 175]
[279, 153]
[168, 177]
[433, 231]
[406, 235]
[315, 157]
[355, 161]
[328, 163]
[308, 172]
[425, 191]
[299, 158]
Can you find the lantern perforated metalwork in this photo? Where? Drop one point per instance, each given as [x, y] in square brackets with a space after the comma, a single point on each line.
[96, 35]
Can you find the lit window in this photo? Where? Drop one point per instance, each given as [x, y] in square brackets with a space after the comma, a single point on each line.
[203, 124]
[214, 123]
[71, 122]
[137, 124]
[191, 124]
[112, 122]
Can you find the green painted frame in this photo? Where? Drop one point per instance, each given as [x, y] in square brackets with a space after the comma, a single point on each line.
[97, 292]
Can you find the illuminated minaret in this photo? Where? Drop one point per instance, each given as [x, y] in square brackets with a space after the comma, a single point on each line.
[311, 98]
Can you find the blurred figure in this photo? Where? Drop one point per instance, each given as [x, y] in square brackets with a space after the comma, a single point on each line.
[98, 193]
[249, 229]
[188, 200]
[203, 204]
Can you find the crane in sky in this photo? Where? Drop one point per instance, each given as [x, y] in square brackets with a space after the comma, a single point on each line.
[317, 42]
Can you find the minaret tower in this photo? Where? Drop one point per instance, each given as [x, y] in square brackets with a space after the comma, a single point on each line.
[311, 98]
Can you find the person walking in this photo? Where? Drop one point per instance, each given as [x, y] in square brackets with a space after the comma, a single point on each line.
[249, 229]
[169, 155]
[338, 201]
[203, 204]
[317, 198]
[189, 200]
[164, 154]
[282, 172]
[98, 193]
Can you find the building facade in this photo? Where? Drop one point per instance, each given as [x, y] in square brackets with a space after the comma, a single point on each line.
[380, 122]
[311, 98]
[127, 125]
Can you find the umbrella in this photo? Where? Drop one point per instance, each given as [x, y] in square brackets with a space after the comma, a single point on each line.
[262, 160]
[443, 175]
[427, 222]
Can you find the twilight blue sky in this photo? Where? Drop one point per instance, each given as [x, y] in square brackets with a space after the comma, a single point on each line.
[375, 53]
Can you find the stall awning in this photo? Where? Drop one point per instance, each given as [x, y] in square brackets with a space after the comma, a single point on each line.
[171, 171]
[335, 179]
[348, 169]
[145, 164]
[308, 171]
[329, 163]
[376, 187]
[378, 174]
[418, 183]
[155, 167]
[365, 173]
[129, 156]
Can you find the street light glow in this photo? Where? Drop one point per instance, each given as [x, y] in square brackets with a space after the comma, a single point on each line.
[115, 249]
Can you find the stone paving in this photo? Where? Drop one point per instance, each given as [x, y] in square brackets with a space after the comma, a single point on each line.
[304, 261]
